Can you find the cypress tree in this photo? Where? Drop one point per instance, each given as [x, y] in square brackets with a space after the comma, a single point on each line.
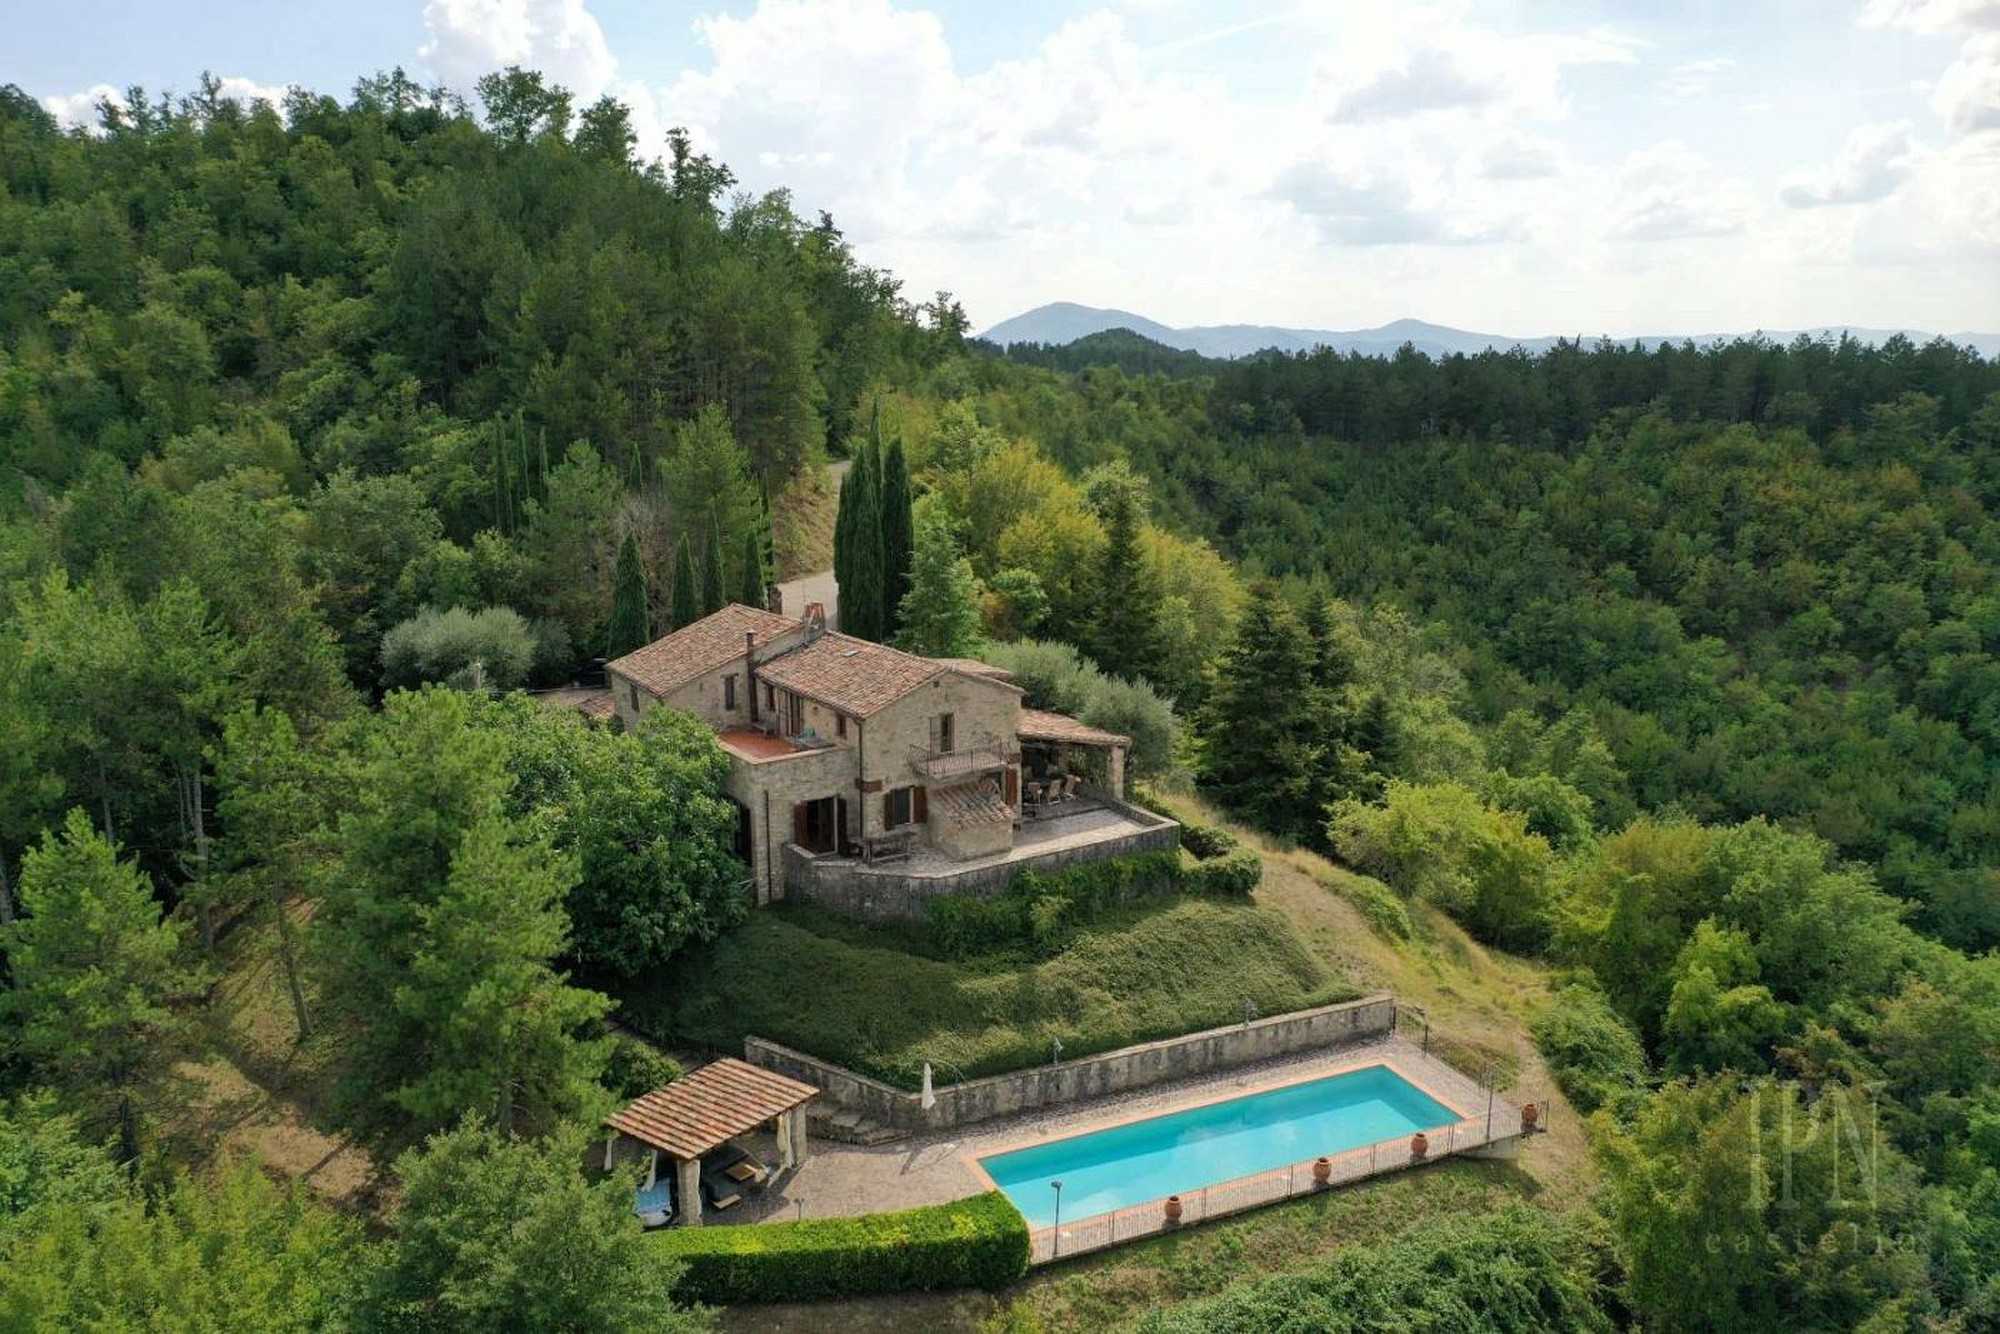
[681, 608]
[861, 596]
[754, 589]
[711, 574]
[1127, 641]
[843, 540]
[631, 621]
[898, 537]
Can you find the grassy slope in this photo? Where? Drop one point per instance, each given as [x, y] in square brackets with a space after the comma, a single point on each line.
[1145, 973]
[1479, 1004]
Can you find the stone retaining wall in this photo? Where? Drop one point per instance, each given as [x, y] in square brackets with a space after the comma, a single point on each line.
[876, 895]
[1088, 1076]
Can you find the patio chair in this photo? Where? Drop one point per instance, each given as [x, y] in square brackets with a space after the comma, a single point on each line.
[1058, 791]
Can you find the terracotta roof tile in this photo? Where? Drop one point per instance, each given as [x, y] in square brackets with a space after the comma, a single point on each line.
[724, 1098]
[1041, 725]
[672, 661]
[850, 674]
[977, 802]
[974, 667]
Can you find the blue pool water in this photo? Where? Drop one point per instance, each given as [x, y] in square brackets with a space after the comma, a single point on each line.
[1181, 1152]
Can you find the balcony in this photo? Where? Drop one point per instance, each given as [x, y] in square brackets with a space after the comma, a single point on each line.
[940, 765]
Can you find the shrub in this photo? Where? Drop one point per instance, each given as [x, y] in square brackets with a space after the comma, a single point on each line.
[1594, 1054]
[1040, 909]
[1206, 840]
[637, 1067]
[1516, 1269]
[1055, 676]
[981, 1242]
[958, 926]
[438, 645]
[1234, 876]
[1377, 904]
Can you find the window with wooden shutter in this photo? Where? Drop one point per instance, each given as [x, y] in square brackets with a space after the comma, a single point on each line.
[729, 691]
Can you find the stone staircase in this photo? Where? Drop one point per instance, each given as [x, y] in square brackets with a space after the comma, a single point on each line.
[844, 1125]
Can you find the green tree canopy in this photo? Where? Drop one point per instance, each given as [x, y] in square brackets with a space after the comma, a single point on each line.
[99, 982]
[506, 1235]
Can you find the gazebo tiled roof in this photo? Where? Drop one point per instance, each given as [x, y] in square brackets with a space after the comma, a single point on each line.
[724, 1098]
[1041, 725]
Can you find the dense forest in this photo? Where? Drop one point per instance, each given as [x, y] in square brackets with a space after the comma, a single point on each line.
[323, 426]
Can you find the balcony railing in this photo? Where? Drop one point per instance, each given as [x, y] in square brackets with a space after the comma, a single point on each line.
[938, 765]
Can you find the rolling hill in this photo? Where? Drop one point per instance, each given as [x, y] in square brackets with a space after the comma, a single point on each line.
[1063, 322]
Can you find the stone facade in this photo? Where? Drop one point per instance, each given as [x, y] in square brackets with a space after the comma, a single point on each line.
[960, 1104]
[884, 894]
[836, 772]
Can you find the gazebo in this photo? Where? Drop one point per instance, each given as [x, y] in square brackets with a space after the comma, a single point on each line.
[696, 1115]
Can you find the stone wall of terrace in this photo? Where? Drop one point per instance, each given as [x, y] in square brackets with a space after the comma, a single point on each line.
[897, 891]
[1086, 1077]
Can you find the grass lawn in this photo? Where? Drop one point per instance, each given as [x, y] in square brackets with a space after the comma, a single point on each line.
[865, 998]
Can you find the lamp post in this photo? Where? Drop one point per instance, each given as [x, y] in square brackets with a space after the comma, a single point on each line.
[1055, 1241]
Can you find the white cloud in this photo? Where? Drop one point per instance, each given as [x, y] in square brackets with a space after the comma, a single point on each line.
[1695, 78]
[1403, 62]
[1968, 93]
[1931, 15]
[1669, 192]
[1429, 79]
[1872, 163]
[80, 109]
[561, 38]
[1520, 157]
[1361, 208]
[74, 110]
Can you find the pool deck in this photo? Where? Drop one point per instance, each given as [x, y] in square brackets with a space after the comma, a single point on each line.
[841, 1179]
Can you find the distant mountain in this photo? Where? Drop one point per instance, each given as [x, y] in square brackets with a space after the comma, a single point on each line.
[1064, 322]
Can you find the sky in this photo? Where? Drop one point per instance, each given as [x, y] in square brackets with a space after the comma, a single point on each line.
[1597, 167]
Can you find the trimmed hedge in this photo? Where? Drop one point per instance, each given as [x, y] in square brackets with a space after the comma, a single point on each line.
[1232, 877]
[980, 1242]
[1207, 840]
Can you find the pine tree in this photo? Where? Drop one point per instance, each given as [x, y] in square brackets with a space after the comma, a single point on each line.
[755, 589]
[1127, 639]
[712, 598]
[441, 941]
[940, 613]
[95, 971]
[1260, 751]
[1333, 664]
[898, 537]
[861, 596]
[631, 621]
[681, 607]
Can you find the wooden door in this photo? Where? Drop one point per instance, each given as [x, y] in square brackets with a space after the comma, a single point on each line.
[920, 805]
[1012, 790]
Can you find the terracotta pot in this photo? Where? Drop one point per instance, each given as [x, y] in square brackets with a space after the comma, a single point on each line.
[1531, 1116]
[1173, 1209]
[1322, 1171]
[1420, 1145]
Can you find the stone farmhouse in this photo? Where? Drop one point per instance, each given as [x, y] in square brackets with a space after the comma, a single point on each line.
[868, 778]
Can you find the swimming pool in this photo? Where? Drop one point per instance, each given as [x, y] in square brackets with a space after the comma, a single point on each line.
[1180, 1152]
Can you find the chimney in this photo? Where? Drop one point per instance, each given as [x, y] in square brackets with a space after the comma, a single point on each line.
[750, 670]
[815, 620]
